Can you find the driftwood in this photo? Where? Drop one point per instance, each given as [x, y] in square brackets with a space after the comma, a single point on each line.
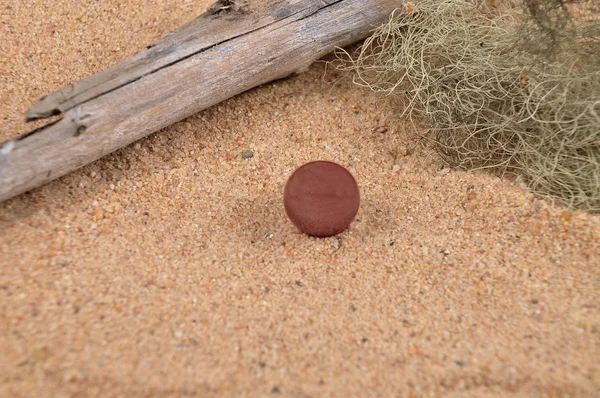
[234, 46]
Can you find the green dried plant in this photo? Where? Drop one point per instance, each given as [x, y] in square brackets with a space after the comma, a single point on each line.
[517, 91]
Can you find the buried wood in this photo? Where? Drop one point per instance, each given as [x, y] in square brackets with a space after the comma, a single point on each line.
[233, 47]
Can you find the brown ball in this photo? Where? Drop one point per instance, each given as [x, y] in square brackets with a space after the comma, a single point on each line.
[321, 198]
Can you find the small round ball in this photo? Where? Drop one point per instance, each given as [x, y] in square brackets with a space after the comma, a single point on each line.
[321, 198]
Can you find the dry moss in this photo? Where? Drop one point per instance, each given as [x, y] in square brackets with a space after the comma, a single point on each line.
[513, 92]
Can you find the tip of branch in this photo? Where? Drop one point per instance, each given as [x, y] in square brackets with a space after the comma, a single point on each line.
[41, 110]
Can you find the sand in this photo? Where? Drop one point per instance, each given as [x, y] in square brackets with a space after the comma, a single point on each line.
[169, 268]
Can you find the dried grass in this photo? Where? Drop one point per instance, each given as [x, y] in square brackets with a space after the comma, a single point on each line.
[513, 92]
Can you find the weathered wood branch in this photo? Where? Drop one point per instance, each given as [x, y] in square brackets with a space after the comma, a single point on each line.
[231, 48]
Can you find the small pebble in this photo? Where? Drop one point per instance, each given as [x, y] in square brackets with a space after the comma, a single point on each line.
[380, 130]
[248, 154]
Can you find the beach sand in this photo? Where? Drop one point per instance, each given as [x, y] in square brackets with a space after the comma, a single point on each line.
[169, 268]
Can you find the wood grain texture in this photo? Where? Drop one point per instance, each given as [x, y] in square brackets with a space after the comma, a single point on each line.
[231, 48]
